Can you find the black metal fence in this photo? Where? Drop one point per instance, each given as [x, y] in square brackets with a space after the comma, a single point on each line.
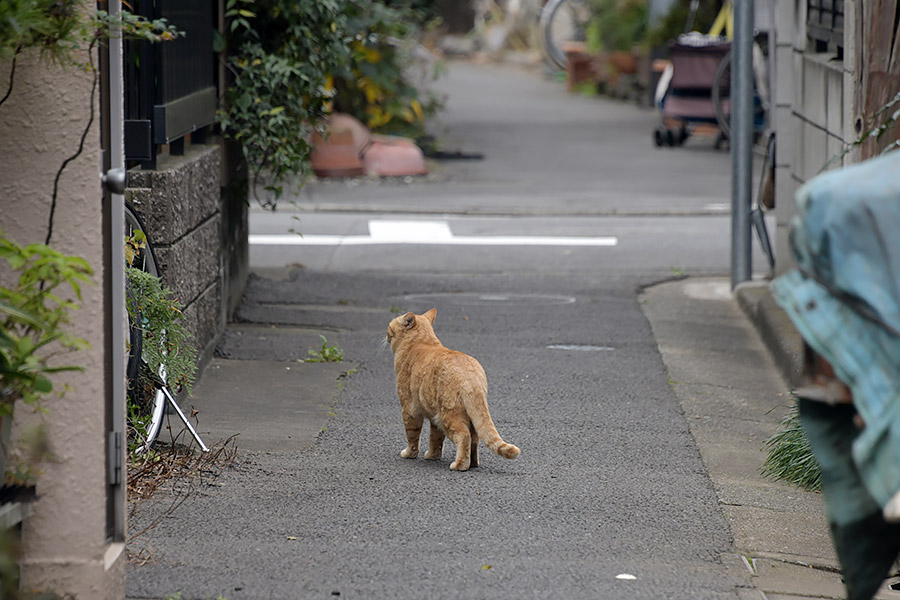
[170, 87]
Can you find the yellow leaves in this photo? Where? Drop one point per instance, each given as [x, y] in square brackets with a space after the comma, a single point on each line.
[134, 244]
[413, 113]
[377, 116]
[329, 89]
[372, 90]
[372, 55]
[367, 53]
[417, 108]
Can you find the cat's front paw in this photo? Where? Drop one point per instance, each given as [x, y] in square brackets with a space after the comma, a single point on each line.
[409, 452]
[458, 465]
[433, 455]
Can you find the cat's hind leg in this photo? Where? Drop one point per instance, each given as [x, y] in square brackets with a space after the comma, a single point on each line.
[459, 435]
[413, 425]
[473, 455]
[435, 443]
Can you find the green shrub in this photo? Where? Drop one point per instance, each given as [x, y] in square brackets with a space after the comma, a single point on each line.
[166, 340]
[34, 317]
[290, 61]
[617, 25]
[374, 87]
[281, 52]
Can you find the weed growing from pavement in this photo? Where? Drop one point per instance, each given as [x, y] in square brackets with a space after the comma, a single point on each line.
[325, 354]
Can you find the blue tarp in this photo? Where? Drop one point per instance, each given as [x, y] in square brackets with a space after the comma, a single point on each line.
[845, 300]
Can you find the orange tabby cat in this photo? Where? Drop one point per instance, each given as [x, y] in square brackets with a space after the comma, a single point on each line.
[446, 387]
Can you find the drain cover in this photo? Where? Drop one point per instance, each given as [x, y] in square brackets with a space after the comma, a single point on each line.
[486, 298]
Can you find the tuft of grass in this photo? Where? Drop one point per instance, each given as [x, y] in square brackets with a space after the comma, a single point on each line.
[790, 457]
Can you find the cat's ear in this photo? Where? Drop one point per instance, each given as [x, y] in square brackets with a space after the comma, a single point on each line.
[409, 320]
[431, 314]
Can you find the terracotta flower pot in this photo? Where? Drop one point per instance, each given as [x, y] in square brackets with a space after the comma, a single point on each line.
[390, 156]
[578, 64]
[623, 62]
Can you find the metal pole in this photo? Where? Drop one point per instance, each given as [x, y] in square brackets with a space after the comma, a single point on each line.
[741, 140]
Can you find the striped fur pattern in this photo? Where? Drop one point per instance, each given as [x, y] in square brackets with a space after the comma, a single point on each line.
[446, 387]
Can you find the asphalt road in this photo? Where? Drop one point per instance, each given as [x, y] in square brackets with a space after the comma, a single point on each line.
[609, 482]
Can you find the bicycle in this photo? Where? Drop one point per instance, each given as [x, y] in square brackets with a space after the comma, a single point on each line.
[721, 91]
[562, 21]
[149, 393]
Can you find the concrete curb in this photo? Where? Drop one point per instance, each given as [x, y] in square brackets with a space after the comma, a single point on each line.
[781, 338]
[733, 398]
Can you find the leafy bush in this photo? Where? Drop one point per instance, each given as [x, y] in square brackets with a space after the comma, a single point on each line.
[49, 24]
[166, 340]
[375, 86]
[33, 320]
[61, 29]
[281, 53]
[617, 25]
[290, 61]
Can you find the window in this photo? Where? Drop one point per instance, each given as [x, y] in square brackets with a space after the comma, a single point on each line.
[825, 25]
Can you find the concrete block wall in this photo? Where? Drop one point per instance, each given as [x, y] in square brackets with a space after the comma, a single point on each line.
[813, 112]
[181, 205]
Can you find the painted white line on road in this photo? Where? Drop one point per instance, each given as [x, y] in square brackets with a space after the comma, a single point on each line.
[410, 232]
[433, 233]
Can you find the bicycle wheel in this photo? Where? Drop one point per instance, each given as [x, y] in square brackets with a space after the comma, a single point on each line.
[721, 94]
[562, 21]
[147, 402]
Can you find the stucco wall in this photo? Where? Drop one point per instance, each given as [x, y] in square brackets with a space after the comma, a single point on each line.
[65, 549]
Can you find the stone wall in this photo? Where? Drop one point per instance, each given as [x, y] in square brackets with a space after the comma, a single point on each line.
[193, 231]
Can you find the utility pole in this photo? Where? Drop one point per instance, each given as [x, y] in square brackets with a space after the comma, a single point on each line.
[741, 140]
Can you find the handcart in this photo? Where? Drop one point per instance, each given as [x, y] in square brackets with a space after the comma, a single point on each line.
[685, 91]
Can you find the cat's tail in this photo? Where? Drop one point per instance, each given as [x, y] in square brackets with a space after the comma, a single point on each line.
[476, 408]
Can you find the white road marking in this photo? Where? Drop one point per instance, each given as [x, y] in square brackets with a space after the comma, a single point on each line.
[423, 233]
[581, 347]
